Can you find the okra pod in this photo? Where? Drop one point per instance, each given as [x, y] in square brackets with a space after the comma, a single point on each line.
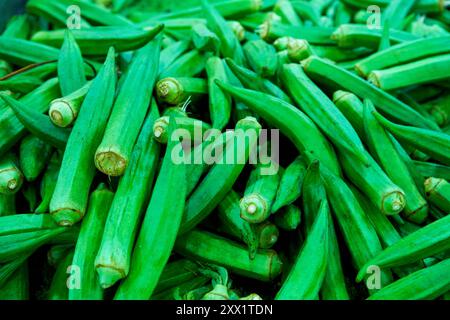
[287, 13]
[24, 52]
[423, 6]
[34, 154]
[270, 31]
[175, 91]
[237, 29]
[30, 193]
[290, 186]
[438, 193]
[396, 12]
[307, 11]
[128, 114]
[429, 169]
[171, 53]
[48, 183]
[11, 178]
[267, 234]
[157, 232]
[189, 128]
[88, 244]
[70, 198]
[261, 57]
[189, 64]
[288, 218]
[17, 285]
[58, 287]
[210, 248]
[132, 195]
[204, 39]
[301, 285]
[23, 84]
[175, 273]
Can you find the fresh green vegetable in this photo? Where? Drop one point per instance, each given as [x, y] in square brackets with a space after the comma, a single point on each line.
[48, 182]
[288, 218]
[11, 178]
[267, 234]
[58, 288]
[261, 57]
[34, 155]
[175, 91]
[438, 193]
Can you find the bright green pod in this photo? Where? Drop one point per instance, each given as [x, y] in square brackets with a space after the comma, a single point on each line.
[438, 193]
[17, 285]
[33, 156]
[352, 108]
[440, 110]
[176, 273]
[259, 195]
[11, 128]
[24, 52]
[54, 12]
[97, 40]
[204, 39]
[11, 178]
[355, 35]
[425, 284]
[287, 13]
[221, 177]
[132, 195]
[210, 248]
[338, 78]
[313, 191]
[38, 124]
[230, 46]
[427, 70]
[396, 12]
[287, 118]
[299, 50]
[58, 287]
[267, 234]
[219, 102]
[338, 54]
[22, 84]
[252, 81]
[189, 129]
[70, 65]
[436, 144]
[261, 57]
[172, 53]
[359, 235]
[88, 244]
[290, 186]
[175, 91]
[306, 276]
[381, 146]
[288, 218]
[77, 172]
[64, 111]
[229, 215]
[129, 111]
[425, 242]
[422, 6]
[158, 234]
[190, 64]
[272, 30]
[237, 29]
[48, 183]
[429, 169]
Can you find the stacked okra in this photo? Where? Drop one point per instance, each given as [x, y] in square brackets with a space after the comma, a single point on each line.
[98, 200]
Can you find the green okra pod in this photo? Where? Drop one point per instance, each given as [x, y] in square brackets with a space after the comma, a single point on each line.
[57, 253]
[290, 186]
[128, 114]
[48, 183]
[288, 218]
[175, 273]
[58, 287]
[71, 193]
[430, 169]
[171, 53]
[438, 193]
[267, 234]
[210, 248]
[204, 39]
[17, 285]
[287, 13]
[175, 91]
[261, 57]
[189, 64]
[24, 52]
[312, 257]
[132, 195]
[23, 84]
[11, 178]
[88, 244]
[33, 157]
[190, 129]
[70, 65]
[158, 234]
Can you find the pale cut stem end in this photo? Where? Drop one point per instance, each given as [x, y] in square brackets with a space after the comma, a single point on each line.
[61, 113]
[108, 276]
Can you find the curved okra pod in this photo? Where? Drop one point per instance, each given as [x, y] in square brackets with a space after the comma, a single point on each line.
[171, 53]
[33, 156]
[11, 178]
[158, 234]
[329, 74]
[48, 183]
[419, 72]
[287, 13]
[219, 102]
[133, 193]
[175, 91]
[210, 248]
[260, 192]
[189, 128]
[204, 39]
[267, 234]
[129, 111]
[425, 284]
[70, 65]
[22, 84]
[299, 284]
[38, 124]
[97, 40]
[24, 52]
[427, 241]
[381, 146]
[88, 244]
[287, 118]
[290, 186]
[261, 57]
[71, 194]
[221, 177]
[404, 53]
[438, 193]
[429, 169]
[229, 214]
[435, 144]
[288, 218]
[189, 64]
[396, 12]
[64, 111]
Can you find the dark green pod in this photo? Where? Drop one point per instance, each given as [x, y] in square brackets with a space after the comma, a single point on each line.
[288, 218]
[267, 234]
[48, 183]
[34, 155]
[58, 287]
[261, 57]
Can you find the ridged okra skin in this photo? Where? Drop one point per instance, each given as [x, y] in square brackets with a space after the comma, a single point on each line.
[48, 183]
[128, 114]
[132, 195]
[70, 198]
[188, 128]
[438, 193]
[24, 52]
[33, 156]
[11, 178]
[288, 218]
[210, 248]
[88, 243]
[261, 57]
[157, 234]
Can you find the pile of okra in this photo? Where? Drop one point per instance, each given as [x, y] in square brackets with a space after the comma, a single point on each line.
[225, 150]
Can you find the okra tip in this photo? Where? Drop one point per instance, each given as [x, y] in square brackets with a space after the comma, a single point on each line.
[340, 95]
[110, 162]
[263, 30]
[276, 265]
[66, 217]
[108, 276]
[169, 90]
[61, 113]
[10, 181]
[160, 129]
[253, 208]
[393, 202]
[268, 235]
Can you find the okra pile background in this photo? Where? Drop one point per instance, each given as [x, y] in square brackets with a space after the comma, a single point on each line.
[130, 164]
